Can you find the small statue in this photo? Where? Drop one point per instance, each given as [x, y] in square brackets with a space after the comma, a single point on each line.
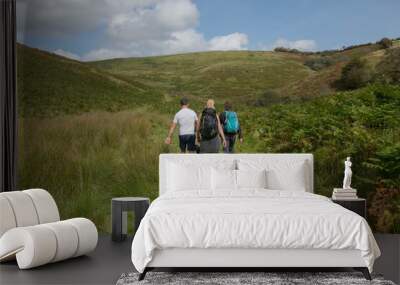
[347, 174]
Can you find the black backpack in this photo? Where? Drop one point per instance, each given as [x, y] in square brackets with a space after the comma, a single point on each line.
[208, 124]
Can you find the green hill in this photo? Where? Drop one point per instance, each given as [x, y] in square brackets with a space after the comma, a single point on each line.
[50, 85]
[240, 76]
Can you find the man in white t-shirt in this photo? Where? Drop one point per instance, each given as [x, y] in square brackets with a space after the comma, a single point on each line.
[187, 120]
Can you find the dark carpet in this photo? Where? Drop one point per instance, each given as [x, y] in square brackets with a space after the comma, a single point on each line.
[243, 278]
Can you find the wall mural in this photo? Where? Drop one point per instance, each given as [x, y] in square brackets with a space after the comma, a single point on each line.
[98, 86]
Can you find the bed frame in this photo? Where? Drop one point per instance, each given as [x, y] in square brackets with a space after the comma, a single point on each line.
[246, 258]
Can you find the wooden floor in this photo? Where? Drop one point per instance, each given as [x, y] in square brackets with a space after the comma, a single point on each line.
[110, 260]
[103, 266]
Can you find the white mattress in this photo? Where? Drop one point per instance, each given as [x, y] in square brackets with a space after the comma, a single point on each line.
[253, 219]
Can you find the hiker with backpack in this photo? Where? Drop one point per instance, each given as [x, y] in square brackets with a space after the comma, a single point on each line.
[186, 118]
[230, 122]
[209, 130]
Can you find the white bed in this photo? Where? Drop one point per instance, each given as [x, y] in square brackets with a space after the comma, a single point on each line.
[282, 224]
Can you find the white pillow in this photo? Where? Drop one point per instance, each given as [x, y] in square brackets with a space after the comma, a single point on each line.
[185, 178]
[223, 179]
[281, 174]
[292, 178]
[251, 178]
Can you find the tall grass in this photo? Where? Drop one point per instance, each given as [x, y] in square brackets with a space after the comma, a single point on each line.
[85, 160]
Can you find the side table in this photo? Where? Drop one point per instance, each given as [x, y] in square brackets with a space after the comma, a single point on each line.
[358, 205]
[120, 207]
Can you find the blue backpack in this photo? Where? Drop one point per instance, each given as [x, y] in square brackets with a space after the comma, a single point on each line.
[231, 125]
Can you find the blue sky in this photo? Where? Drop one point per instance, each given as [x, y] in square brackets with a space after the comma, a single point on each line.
[330, 23]
[100, 29]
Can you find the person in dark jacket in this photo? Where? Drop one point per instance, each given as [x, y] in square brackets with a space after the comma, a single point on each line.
[209, 130]
[231, 126]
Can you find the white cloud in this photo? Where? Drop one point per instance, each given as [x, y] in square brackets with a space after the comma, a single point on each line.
[164, 27]
[177, 42]
[67, 54]
[302, 45]
[235, 41]
[185, 41]
[130, 27]
[153, 22]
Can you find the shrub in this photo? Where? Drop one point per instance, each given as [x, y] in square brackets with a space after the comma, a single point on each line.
[385, 43]
[292, 50]
[356, 46]
[269, 97]
[319, 63]
[388, 70]
[384, 210]
[355, 74]
[387, 165]
[327, 52]
[361, 123]
[283, 49]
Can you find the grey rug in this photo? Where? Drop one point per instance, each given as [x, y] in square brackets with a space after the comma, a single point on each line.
[228, 278]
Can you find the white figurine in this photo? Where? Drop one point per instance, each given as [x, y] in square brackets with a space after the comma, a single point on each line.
[347, 174]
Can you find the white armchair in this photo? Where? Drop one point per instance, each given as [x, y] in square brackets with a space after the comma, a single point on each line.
[31, 230]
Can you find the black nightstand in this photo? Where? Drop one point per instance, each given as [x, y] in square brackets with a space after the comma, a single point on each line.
[358, 206]
[119, 209]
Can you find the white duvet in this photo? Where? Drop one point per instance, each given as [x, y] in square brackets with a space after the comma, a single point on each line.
[250, 219]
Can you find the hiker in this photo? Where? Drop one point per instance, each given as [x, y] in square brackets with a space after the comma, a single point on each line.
[230, 122]
[186, 118]
[208, 129]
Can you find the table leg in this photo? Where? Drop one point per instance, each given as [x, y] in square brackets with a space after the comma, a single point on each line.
[117, 221]
[140, 211]
[124, 217]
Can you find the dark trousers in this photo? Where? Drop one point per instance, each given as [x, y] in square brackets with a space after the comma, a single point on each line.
[187, 143]
[230, 143]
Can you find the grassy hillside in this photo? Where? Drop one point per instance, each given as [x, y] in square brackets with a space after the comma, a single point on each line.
[85, 160]
[51, 85]
[237, 75]
[240, 76]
